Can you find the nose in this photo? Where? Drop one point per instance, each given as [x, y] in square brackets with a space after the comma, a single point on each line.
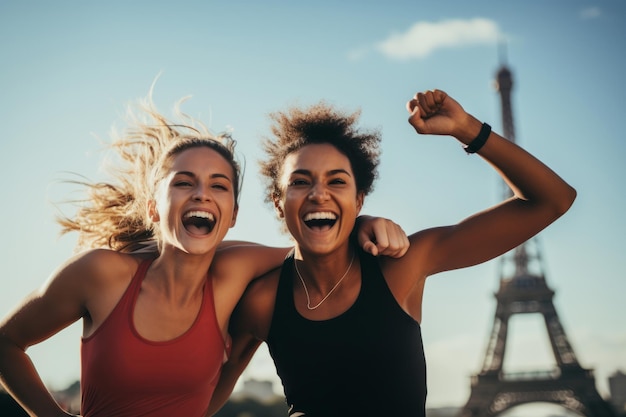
[201, 193]
[318, 192]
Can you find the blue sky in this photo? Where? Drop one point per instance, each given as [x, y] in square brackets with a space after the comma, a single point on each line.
[69, 69]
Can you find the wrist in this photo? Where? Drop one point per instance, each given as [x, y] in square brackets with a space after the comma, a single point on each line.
[477, 143]
[468, 130]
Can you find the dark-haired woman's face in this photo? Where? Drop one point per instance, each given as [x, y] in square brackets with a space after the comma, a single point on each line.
[319, 197]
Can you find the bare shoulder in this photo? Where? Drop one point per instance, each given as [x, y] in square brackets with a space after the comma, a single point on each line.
[100, 266]
[87, 283]
[102, 276]
[406, 276]
[416, 263]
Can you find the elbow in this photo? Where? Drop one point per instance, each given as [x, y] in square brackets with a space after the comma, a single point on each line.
[571, 196]
[7, 344]
[565, 201]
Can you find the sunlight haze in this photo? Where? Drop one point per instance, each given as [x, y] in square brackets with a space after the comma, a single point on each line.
[70, 68]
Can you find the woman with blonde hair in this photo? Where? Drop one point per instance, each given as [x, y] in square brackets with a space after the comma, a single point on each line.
[155, 322]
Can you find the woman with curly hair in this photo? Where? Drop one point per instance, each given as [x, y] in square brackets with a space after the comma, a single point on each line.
[155, 322]
[343, 327]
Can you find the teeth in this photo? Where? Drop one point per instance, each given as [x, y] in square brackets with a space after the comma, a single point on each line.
[201, 214]
[320, 215]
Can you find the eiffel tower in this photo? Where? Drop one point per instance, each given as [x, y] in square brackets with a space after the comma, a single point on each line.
[523, 290]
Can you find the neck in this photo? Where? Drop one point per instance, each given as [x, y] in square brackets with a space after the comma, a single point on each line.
[322, 271]
[179, 275]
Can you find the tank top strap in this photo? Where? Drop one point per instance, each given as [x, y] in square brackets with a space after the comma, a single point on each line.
[208, 312]
[374, 286]
[128, 300]
[140, 274]
[284, 293]
[371, 275]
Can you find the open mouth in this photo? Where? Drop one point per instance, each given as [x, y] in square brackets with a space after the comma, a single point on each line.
[321, 220]
[199, 222]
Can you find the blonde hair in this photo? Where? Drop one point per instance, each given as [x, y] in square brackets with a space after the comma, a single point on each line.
[114, 214]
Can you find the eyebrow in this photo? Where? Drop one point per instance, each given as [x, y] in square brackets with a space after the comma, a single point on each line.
[331, 172]
[193, 175]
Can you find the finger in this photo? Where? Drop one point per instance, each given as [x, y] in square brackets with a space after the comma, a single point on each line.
[397, 244]
[375, 236]
[411, 106]
[382, 237]
[427, 103]
[429, 97]
[370, 248]
[365, 237]
[439, 96]
[416, 114]
[403, 247]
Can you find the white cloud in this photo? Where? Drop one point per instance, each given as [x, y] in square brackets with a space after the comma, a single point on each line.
[423, 38]
[590, 13]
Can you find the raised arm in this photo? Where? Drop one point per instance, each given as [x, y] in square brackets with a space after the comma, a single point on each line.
[539, 195]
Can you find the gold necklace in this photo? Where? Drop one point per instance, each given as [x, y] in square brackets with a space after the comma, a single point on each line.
[308, 300]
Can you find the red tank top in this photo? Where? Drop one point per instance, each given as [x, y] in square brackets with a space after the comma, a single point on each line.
[123, 374]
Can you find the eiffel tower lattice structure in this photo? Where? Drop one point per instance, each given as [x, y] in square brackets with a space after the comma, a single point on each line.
[523, 290]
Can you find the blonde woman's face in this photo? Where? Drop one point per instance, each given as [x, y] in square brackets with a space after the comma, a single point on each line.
[195, 204]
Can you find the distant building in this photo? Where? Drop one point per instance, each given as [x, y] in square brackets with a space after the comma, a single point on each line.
[69, 398]
[443, 412]
[262, 391]
[617, 387]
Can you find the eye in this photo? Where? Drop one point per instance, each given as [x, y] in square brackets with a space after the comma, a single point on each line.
[182, 183]
[221, 187]
[338, 181]
[298, 182]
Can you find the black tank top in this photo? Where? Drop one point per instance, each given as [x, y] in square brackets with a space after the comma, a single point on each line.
[369, 361]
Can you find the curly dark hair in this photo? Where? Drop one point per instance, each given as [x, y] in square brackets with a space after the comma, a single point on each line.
[320, 123]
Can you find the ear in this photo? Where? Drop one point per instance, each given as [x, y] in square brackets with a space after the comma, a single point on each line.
[153, 214]
[234, 219]
[360, 198]
[278, 205]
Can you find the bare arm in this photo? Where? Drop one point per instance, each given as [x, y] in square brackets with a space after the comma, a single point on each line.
[249, 326]
[540, 196]
[45, 312]
[376, 235]
[243, 349]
